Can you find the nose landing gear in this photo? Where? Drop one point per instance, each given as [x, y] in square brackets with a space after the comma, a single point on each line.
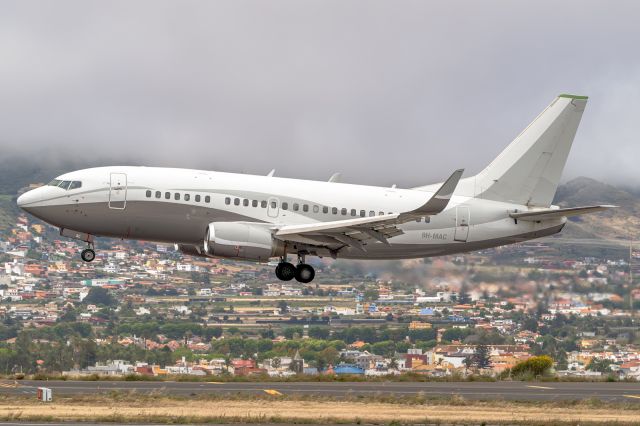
[88, 254]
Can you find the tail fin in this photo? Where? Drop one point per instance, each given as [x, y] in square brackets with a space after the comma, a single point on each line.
[528, 170]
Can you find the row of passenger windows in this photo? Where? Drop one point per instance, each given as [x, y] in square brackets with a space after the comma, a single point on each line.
[274, 204]
[304, 207]
[177, 196]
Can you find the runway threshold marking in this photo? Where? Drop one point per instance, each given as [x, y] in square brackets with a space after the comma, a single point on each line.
[272, 392]
[9, 385]
[539, 387]
[632, 396]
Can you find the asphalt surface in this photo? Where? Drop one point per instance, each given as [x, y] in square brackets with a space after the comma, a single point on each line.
[521, 391]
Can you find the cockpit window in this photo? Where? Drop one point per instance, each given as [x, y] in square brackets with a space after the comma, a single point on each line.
[65, 184]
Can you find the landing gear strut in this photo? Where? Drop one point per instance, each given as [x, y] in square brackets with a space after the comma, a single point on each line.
[88, 254]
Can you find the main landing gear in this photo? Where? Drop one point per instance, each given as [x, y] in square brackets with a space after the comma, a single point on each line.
[303, 273]
[88, 254]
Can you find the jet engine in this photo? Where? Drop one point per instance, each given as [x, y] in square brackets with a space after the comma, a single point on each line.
[243, 241]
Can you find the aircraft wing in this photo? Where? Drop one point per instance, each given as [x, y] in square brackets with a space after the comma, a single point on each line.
[357, 232]
[546, 214]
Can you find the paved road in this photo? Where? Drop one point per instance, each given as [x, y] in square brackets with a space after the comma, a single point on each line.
[530, 391]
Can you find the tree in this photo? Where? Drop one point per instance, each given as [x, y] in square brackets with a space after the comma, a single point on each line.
[99, 296]
[283, 306]
[317, 332]
[482, 358]
[536, 366]
[276, 362]
[601, 365]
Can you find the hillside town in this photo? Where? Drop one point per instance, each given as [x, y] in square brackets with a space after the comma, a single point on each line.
[147, 309]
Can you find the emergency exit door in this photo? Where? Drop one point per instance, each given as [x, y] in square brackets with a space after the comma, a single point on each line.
[462, 224]
[118, 191]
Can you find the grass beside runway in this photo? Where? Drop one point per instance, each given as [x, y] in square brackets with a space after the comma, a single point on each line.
[270, 407]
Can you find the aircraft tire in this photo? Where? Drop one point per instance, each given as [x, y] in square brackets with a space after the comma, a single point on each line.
[285, 271]
[88, 255]
[305, 273]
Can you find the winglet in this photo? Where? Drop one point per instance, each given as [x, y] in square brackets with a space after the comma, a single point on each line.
[271, 173]
[335, 177]
[441, 198]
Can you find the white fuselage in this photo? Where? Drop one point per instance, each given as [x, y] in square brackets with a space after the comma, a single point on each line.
[176, 206]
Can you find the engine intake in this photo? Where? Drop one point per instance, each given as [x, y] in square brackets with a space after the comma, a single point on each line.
[244, 241]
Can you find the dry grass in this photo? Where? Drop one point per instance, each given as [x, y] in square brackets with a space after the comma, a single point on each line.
[121, 409]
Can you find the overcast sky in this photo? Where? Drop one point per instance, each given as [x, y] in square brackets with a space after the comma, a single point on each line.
[385, 92]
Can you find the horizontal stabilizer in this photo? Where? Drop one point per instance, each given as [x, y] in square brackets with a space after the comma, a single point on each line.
[546, 214]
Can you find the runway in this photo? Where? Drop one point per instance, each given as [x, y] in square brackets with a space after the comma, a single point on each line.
[516, 391]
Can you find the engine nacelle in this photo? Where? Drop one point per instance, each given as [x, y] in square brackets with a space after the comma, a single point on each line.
[243, 241]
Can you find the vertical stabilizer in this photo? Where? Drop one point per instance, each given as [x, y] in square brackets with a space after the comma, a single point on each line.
[528, 170]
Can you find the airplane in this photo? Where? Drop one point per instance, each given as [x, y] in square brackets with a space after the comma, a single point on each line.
[259, 218]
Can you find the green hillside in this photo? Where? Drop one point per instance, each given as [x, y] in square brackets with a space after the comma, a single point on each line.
[8, 211]
[620, 223]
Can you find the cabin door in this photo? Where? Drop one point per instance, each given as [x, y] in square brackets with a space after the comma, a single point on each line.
[118, 191]
[273, 208]
[462, 224]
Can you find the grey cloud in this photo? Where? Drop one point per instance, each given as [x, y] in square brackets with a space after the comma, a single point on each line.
[385, 92]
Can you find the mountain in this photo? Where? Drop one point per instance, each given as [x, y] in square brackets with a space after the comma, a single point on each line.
[620, 223]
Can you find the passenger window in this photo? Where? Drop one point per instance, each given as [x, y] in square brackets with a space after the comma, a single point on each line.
[274, 204]
[263, 204]
[418, 219]
[77, 184]
[177, 196]
[158, 194]
[353, 212]
[296, 207]
[227, 200]
[334, 210]
[305, 208]
[167, 195]
[197, 198]
[254, 203]
[427, 219]
[285, 206]
[372, 213]
[380, 213]
[148, 194]
[325, 209]
[316, 209]
[245, 202]
[363, 213]
[236, 201]
[343, 212]
[187, 197]
[207, 199]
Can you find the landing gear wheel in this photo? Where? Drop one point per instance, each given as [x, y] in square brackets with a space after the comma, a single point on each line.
[305, 273]
[88, 255]
[285, 271]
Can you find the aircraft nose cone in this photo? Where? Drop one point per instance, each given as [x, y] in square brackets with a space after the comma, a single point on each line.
[27, 198]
